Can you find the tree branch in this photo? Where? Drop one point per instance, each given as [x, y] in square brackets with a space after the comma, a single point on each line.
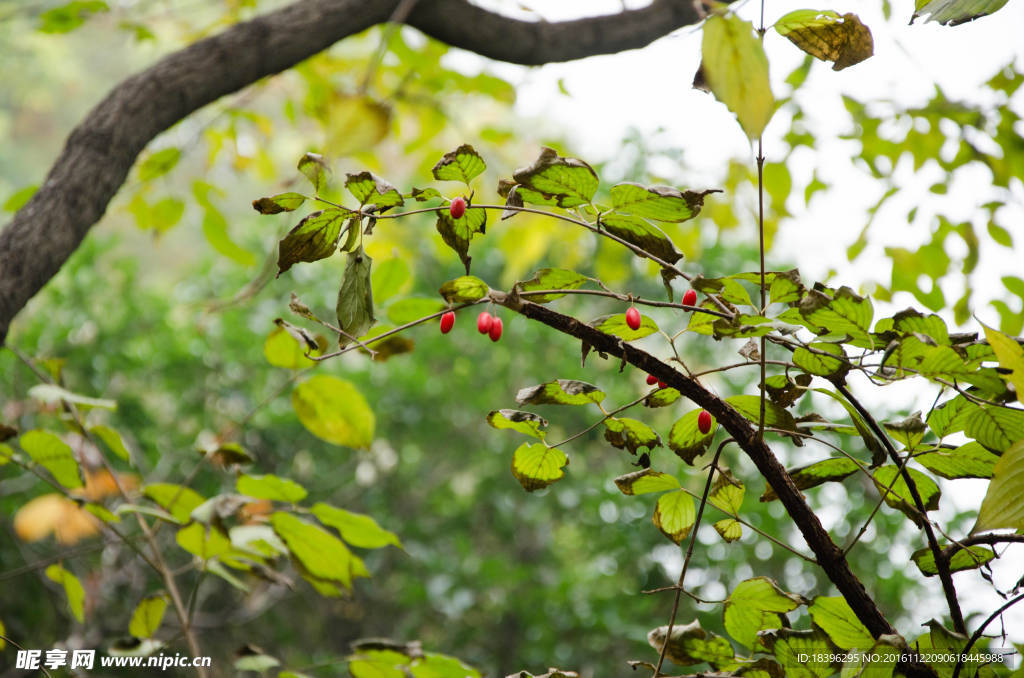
[829, 556]
[102, 149]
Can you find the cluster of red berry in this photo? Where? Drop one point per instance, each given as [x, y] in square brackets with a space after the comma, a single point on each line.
[485, 324]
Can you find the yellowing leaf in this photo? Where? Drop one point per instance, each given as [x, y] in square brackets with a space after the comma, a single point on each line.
[72, 588]
[355, 123]
[536, 465]
[827, 36]
[1011, 357]
[54, 514]
[334, 410]
[736, 70]
[1002, 506]
[674, 515]
[147, 616]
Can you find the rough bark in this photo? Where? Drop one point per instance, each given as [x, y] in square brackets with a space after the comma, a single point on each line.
[102, 149]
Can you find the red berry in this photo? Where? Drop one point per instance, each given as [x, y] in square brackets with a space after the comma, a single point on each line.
[651, 380]
[484, 322]
[457, 208]
[495, 331]
[690, 298]
[633, 318]
[661, 384]
[447, 322]
[704, 421]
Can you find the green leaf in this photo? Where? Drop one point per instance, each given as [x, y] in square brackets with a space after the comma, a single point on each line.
[756, 604]
[1011, 358]
[836, 618]
[322, 554]
[355, 528]
[899, 496]
[517, 420]
[15, 201]
[391, 277]
[69, 16]
[457, 233]
[72, 589]
[424, 194]
[643, 234]
[729, 529]
[995, 231]
[463, 164]
[970, 558]
[412, 308]
[950, 416]
[912, 321]
[148, 615]
[51, 394]
[215, 229]
[646, 481]
[954, 12]
[177, 500]
[355, 298]
[908, 431]
[661, 203]
[314, 238]
[844, 313]
[432, 665]
[827, 36]
[616, 325]
[314, 168]
[728, 287]
[736, 70]
[630, 434]
[685, 438]
[662, 397]
[804, 654]
[995, 427]
[674, 515]
[159, 163]
[378, 664]
[286, 346]
[812, 475]
[690, 644]
[464, 289]
[551, 279]
[368, 188]
[970, 460]
[54, 455]
[535, 465]
[270, 487]
[812, 361]
[282, 202]
[727, 494]
[334, 410]
[774, 416]
[558, 181]
[560, 392]
[785, 287]
[112, 439]
[203, 541]
[1001, 506]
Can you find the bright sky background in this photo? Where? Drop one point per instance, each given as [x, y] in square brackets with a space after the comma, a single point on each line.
[649, 90]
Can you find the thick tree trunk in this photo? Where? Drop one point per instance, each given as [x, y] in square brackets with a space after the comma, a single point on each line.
[102, 149]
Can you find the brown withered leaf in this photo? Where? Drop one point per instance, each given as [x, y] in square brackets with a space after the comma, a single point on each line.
[826, 35]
